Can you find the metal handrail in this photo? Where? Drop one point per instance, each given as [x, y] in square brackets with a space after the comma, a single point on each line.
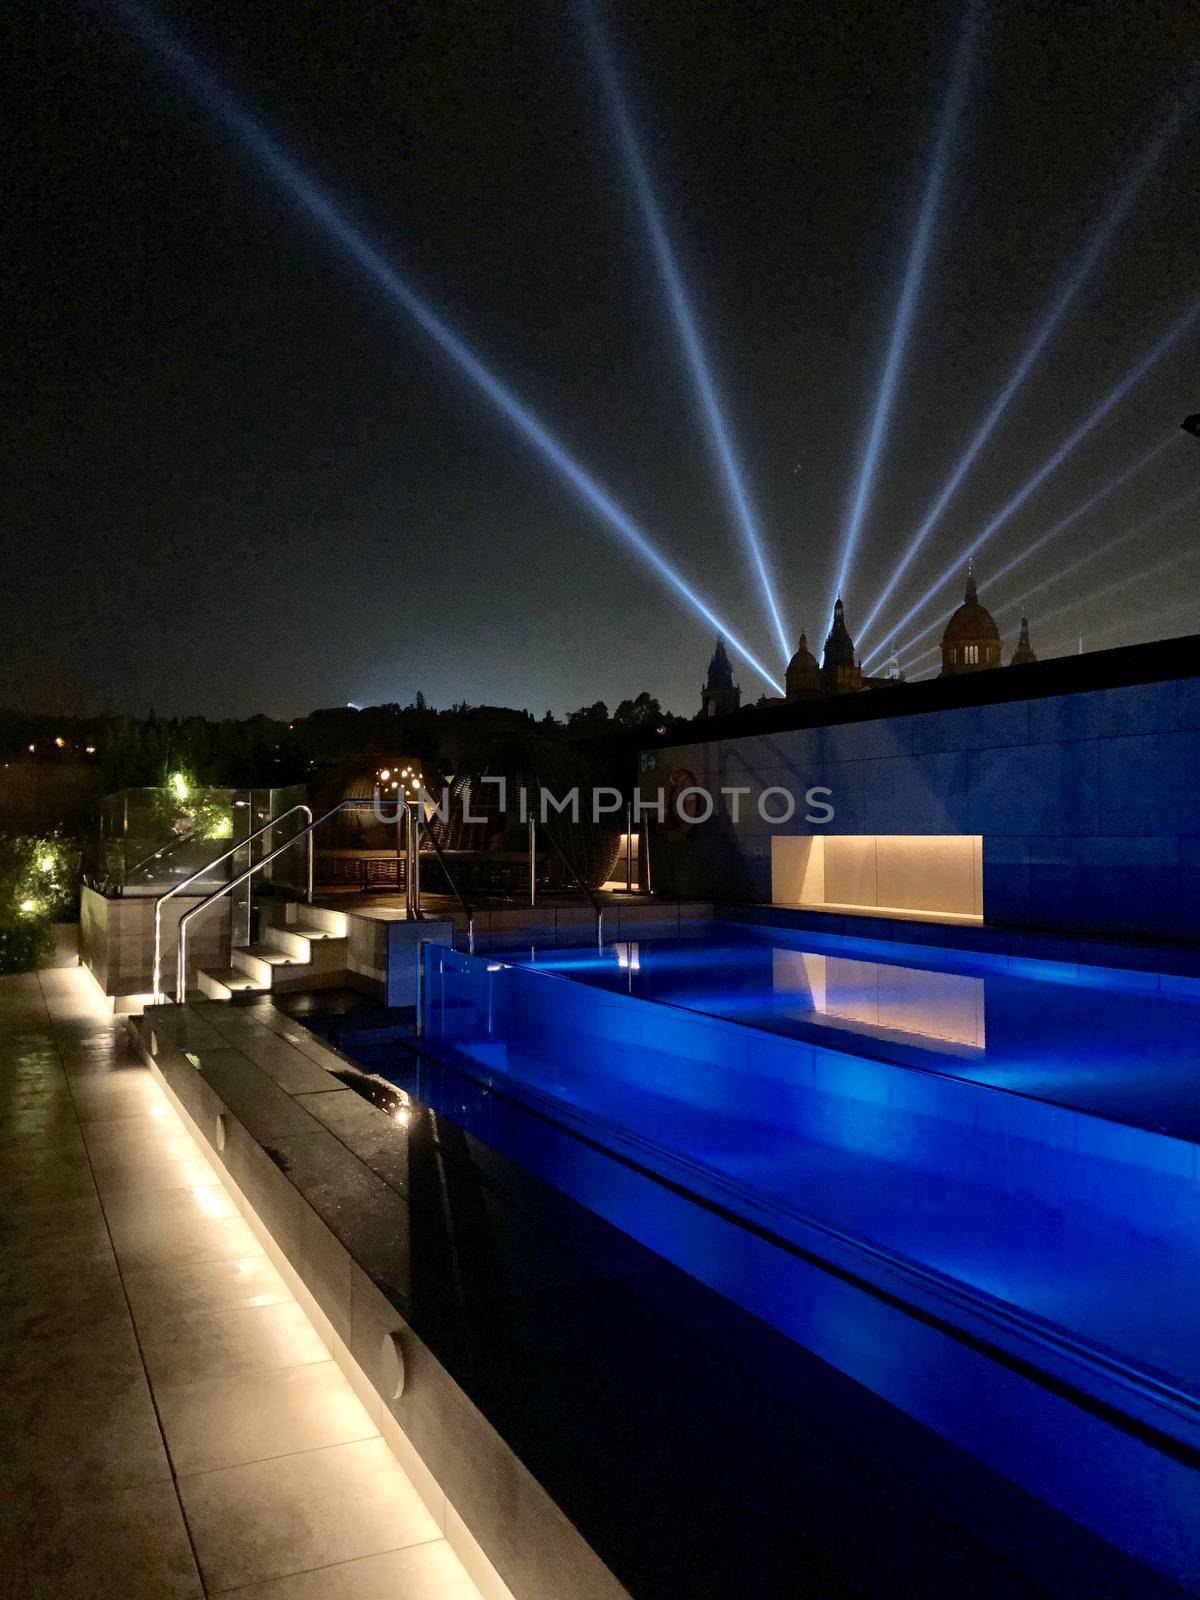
[244, 877]
[570, 866]
[423, 822]
[178, 888]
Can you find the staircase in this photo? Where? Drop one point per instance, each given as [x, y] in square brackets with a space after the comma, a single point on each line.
[300, 947]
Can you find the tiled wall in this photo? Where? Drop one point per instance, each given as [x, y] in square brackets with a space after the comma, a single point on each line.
[116, 940]
[1088, 804]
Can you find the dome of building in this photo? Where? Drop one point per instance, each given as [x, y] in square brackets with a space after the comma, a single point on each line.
[971, 641]
[803, 673]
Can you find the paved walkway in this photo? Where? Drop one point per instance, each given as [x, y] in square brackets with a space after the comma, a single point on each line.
[171, 1424]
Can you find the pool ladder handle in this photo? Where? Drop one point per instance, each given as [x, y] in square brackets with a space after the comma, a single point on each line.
[178, 888]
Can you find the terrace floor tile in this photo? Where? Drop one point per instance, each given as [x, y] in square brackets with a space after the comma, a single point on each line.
[143, 1328]
[274, 1518]
[229, 1421]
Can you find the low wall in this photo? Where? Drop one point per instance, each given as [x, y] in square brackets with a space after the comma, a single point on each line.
[340, 1233]
[116, 941]
[1088, 804]
[381, 954]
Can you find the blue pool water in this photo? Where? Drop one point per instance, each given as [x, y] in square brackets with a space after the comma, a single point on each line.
[856, 1106]
[1100, 1040]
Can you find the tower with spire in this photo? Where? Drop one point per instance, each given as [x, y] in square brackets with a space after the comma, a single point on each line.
[1023, 655]
[719, 695]
[840, 671]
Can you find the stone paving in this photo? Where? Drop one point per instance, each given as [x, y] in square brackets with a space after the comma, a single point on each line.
[170, 1423]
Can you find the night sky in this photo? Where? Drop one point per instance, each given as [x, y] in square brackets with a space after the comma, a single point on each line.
[237, 479]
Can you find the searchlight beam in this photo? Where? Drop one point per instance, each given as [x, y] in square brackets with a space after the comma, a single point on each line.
[1060, 526]
[914, 273]
[682, 315]
[1180, 503]
[204, 86]
[1093, 252]
[1093, 419]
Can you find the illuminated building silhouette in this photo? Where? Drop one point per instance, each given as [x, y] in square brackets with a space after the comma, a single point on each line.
[719, 695]
[971, 641]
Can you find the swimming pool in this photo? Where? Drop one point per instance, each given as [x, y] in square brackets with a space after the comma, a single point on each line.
[1101, 1040]
[941, 1128]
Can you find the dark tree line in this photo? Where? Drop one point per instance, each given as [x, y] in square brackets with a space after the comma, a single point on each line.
[137, 752]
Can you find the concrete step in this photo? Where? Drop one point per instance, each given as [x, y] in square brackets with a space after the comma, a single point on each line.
[259, 961]
[315, 921]
[222, 983]
[298, 947]
[298, 942]
[288, 942]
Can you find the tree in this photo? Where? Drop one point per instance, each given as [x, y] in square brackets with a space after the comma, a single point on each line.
[588, 717]
[642, 712]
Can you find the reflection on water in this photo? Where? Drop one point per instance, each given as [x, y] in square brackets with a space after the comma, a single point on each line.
[878, 998]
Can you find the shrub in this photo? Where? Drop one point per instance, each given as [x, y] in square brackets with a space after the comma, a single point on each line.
[39, 878]
[25, 945]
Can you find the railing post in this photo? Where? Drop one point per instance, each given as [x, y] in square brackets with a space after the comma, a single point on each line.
[416, 859]
[532, 862]
[412, 864]
[250, 882]
[421, 943]
[404, 841]
[156, 980]
[423, 821]
[628, 849]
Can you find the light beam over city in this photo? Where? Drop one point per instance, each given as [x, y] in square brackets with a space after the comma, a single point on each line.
[1090, 257]
[1160, 348]
[1060, 527]
[1105, 547]
[266, 150]
[1168, 564]
[682, 315]
[914, 275]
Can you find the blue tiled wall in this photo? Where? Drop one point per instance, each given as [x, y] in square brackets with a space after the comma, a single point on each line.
[1089, 804]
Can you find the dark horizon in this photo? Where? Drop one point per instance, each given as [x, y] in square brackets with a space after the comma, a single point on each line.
[241, 482]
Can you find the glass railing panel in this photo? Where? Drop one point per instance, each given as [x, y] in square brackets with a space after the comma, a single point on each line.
[1021, 1215]
[150, 840]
